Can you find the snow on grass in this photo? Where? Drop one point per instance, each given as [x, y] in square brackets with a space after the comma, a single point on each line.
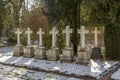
[14, 73]
[94, 68]
[116, 75]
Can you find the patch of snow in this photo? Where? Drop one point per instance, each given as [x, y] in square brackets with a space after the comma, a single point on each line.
[14, 73]
[56, 68]
[94, 68]
[7, 50]
[116, 75]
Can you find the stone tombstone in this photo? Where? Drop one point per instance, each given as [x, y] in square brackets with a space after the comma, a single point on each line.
[18, 32]
[18, 48]
[40, 33]
[67, 54]
[0, 50]
[96, 32]
[29, 49]
[83, 54]
[82, 33]
[40, 50]
[1, 42]
[53, 53]
[29, 32]
[96, 51]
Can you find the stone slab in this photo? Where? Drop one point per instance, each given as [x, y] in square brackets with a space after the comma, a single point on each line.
[40, 53]
[67, 55]
[83, 57]
[18, 50]
[29, 51]
[53, 54]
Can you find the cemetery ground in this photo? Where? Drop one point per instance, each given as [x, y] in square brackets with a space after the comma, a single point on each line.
[21, 68]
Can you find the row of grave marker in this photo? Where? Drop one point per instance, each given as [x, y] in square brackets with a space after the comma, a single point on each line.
[54, 32]
[53, 53]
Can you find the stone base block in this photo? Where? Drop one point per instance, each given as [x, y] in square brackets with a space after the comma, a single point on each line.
[53, 54]
[18, 50]
[40, 53]
[29, 51]
[83, 57]
[1, 51]
[1, 44]
[67, 55]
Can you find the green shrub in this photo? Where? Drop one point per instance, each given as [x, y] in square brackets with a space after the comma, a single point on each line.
[47, 40]
[112, 42]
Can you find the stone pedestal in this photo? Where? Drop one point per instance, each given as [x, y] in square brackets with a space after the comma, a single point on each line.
[67, 55]
[53, 54]
[96, 53]
[29, 51]
[83, 57]
[1, 44]
[18, 50]
[1, 51]
[40, 53]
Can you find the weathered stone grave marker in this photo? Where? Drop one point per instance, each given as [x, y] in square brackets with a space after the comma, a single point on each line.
[40, 51]
[53, 53]
[96, 51]
[1, 42]
[18, 48]
[96, 32]
[83, 55]
[29, 49]
[67, 54]
[82, 33]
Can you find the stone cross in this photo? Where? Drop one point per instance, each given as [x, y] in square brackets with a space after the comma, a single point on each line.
[67, 31]
[18, 32]
[54, 38]
[40, 33]
[82, 33]
[96, 35]
[28, 32]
